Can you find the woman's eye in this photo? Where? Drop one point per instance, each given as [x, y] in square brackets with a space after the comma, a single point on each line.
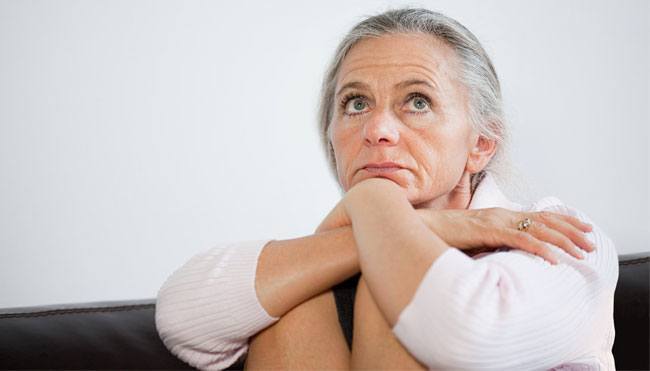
[419, 103]
[355, 106]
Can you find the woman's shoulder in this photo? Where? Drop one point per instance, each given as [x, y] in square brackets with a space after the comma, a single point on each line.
[605, 257]
[549, 202]
[554, 204]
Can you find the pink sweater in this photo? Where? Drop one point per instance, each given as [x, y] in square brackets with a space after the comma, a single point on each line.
[503, 310]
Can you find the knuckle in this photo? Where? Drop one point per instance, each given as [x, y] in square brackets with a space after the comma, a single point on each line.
[575, 235]
[540, 248]
[499, 211]
[567, 243]
[545, 215]
[517, 236]
[483, 214]
[575, 220]
[522, 237]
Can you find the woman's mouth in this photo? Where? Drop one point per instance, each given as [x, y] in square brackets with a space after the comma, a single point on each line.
[381, 170]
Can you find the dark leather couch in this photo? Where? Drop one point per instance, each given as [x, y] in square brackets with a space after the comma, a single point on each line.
[122, 335]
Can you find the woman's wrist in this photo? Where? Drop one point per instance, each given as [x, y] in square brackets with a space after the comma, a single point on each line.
[371, 192]
[292, 271]
[336, 218]
[429, 217]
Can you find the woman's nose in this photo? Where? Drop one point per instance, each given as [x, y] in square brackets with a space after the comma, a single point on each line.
[381, 128]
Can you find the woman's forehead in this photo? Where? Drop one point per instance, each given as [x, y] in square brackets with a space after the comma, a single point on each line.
[395, 57]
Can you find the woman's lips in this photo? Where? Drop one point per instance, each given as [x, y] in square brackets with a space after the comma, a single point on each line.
[388, 171]
[382, 167]
[382, 170]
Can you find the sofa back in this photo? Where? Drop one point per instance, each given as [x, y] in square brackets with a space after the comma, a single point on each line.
[122, 334]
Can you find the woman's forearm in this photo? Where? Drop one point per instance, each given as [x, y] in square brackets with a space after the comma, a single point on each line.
[209, 308]
[395, 246]
[291, 271]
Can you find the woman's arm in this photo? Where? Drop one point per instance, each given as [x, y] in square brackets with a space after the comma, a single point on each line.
[209, 308]
[291, 271]
[374, 345]
[308, 337]
[395, 246]
[503, 311]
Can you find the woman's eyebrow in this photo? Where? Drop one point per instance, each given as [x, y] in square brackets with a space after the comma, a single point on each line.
[400, 85]
[352, 85]
[410, 82]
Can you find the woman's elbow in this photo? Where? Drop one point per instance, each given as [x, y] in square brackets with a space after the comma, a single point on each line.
[176, 315]
[172, 323]
[184, 336]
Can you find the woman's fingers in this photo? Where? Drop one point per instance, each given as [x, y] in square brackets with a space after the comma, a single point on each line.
[564, 231]
[526, 242]
[543, 233]
[569, 229]
[494, 227]
[579, 224]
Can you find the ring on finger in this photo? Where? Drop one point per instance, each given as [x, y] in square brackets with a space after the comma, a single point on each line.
[524, 224]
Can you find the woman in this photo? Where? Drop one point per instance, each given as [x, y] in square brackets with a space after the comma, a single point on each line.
[451, 274]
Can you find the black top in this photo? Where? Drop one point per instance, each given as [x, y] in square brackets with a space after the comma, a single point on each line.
[344, 294]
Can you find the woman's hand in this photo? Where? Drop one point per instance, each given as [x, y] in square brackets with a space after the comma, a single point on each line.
[481, 230]
[337, 218]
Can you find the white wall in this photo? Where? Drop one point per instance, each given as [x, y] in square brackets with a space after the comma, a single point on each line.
[135, 134]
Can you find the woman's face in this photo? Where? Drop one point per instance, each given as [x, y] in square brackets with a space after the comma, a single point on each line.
[399, 99]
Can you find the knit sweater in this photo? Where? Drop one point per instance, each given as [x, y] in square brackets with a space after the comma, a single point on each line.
[505, 309]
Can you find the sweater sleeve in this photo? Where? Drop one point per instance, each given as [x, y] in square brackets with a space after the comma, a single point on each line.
[513, 309]
[207, 310]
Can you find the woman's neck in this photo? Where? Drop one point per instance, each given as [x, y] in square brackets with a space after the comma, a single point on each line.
[459, 197]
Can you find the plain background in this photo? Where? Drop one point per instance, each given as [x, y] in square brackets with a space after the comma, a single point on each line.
[134, 134]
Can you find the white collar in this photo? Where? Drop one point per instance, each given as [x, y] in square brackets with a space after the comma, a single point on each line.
[487, 194]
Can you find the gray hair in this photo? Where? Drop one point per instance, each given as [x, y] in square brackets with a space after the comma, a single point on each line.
[477, 73]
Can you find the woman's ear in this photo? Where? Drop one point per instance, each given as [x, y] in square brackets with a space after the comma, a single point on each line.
[480, 154]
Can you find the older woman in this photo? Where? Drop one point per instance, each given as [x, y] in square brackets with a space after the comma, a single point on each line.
[451, 274]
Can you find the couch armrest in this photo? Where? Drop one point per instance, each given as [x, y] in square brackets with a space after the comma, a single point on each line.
[115, 335]
[631, 316]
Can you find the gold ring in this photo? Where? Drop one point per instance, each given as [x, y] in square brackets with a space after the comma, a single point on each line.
[524, 224]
